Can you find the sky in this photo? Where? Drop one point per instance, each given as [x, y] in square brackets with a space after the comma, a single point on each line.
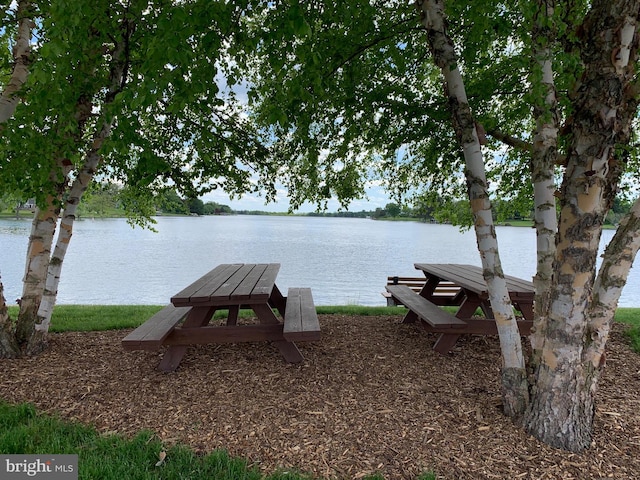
[377, 198]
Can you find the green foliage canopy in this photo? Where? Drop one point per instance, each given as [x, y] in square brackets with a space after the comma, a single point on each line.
[349, 90]
[167, 122]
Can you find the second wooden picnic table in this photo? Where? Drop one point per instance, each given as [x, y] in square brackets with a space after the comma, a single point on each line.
[472, 294]
[230, 287]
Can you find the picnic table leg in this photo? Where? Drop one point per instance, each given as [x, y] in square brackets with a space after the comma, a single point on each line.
[486, 309]
[430, 285]
[287, 349]
[410, 317]
[526, 309]
[232, 319]
[427, 292]
[173, 356]
[277, 300]
[446, 341]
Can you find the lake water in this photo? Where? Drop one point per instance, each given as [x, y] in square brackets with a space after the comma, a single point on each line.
[344, 260]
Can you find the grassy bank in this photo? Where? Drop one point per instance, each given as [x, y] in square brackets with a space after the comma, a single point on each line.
[107, 457]
[82, 318]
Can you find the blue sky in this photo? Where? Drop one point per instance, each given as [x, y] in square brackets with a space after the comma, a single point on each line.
[377, 197]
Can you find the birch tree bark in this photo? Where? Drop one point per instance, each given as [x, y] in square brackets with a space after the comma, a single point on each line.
[40, 246]
[543, 161]
[50, 292]
[43, 229]
[44, 263]
[612, 276]
[9, 101]
[21, 57]
[562, 409]
[8, 345]
[514, 383]
[39, 326]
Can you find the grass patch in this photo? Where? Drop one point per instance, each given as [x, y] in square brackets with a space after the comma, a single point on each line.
[114, 457]
[23, 431]
[84, 318]
[630, 316]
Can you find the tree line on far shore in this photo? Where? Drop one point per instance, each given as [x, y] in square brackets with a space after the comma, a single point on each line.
[106, 200]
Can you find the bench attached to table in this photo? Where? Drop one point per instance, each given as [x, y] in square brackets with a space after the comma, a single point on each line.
[300, 323]
[424, 309]
[445, 290]
[300, 317]
[433, 318]
[152, 333]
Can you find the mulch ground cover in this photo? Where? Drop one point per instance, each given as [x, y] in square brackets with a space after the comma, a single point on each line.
[371, 397]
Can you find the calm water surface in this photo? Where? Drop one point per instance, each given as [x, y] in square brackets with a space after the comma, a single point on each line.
[343, 260]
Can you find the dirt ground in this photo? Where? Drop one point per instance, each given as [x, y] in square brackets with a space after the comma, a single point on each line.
[371, 396]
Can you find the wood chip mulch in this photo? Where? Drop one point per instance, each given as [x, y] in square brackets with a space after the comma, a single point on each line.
[371, 397]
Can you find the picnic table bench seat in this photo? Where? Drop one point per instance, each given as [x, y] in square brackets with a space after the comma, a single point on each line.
[300, 317]
[152, 333]
[427, 311]
[446, 290]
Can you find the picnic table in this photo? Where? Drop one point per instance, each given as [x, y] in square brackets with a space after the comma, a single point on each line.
[230, 287]
[471, 294]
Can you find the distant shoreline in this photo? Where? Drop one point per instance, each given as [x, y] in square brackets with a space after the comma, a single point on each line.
[508, 223]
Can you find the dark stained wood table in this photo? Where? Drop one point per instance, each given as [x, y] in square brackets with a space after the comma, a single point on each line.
[471, 296]
[230, 287]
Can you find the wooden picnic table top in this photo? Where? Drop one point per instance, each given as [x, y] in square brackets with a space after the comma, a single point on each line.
[230, 284]
[470, 278]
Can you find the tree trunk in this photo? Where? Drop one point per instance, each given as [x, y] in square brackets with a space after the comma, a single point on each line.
[563, 403]
[8, 346]
[79, 186]
[617, 261]
[543, 161]
[21, 57]
[42, 271]
[514, 384]
[43, 230]
[117, 77]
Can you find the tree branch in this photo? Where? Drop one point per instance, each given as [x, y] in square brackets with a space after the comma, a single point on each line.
[510, 140]
[22, 57]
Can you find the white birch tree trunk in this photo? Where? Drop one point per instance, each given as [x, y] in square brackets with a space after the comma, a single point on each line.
[543, 160]
[9, 101]
[79, 186]
[562, 406]
[43, 229]
[21, 58]
[8, 346]
[43, 267]
[612, 276]
[514, 384]
[74, 195]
